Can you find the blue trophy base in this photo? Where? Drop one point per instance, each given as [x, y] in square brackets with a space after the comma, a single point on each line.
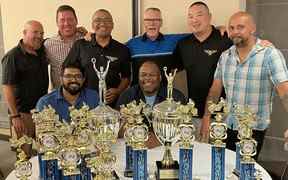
[218, 163]
[247, 171]
[48, 169]
[186, 164]
[129, 162]
[236, 171]
[140, 164]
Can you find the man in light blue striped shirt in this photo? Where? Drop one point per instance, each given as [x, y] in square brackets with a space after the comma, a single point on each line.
[249, 73]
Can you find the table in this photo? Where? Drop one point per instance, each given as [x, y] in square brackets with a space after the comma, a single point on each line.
[201, 162]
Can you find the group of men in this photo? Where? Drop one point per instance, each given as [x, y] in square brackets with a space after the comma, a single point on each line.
[235, 63]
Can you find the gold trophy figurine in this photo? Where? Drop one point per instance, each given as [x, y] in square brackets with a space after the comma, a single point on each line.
[23, 167]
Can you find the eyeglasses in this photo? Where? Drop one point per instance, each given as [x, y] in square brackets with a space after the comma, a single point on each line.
[103, 20]
[153, 20]
[78, 77]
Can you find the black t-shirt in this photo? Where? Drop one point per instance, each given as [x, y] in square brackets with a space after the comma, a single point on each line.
[28, 73]
[118, 54]
[200, 59]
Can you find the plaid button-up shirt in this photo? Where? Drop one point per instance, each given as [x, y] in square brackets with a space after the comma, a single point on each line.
[251, 83]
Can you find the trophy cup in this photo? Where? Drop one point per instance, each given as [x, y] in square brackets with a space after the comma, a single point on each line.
[105, 120]
[129, 114]
[165, 125]
[47, 142]
[23, 167]
[218, 133]
[139, 136]
[187, 138]
[247, 145]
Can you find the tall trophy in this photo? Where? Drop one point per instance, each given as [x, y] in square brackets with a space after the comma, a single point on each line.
[165, 124]
[187, 138]
[48, 143]
[106, 126]
[218, 133]
[247, 145]
[23, 167]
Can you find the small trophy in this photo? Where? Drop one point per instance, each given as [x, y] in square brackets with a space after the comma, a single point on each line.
[187, 138]
[23, 167]
[47, 142]
[218, 133]
[139, 137]
[165, 124]
[247, 145]
[129, 113]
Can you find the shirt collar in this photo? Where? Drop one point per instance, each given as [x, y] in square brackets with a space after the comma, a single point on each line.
[159, 38]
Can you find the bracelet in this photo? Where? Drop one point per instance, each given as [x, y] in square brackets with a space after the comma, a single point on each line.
[15, 116]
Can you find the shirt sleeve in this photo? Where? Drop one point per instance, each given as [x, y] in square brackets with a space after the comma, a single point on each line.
[9, 71]
[277, 66]
[41, 104]
[126, 64]
[218, 71]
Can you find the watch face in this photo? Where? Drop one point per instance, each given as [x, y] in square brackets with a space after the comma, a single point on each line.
[218, 131]
[71, 156]
[186, 132]
[50, 141]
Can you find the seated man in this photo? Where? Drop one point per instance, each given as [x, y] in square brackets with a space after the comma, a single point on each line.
[149, 90]
[71, 93]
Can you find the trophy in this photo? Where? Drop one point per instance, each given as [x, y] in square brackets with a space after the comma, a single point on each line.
[247, 145]
[129, 114]
[105, 121]
[23, 167]
[165, 125]
[218, 133]
[139, 135]
[186, 132]
[47, 142]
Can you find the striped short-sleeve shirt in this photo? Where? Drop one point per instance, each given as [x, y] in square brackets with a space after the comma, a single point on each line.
[252, 82]
[57, 50]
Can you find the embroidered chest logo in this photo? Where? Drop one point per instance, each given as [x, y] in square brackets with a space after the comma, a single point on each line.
[210, 52]
[112, 59]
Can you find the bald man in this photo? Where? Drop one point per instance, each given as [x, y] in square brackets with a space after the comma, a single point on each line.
[249, 73]
[25, 79]
[104, 48]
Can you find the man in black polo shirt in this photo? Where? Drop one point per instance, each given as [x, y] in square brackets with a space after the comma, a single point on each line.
[198, 53]
[25, 79]
[103, 48]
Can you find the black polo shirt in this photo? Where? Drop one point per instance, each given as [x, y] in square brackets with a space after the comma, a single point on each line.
[28, 73]
[200, 59]
[117, 53]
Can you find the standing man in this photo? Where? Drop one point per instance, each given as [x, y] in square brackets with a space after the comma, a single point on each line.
[25, 79]
[58, 46]
[153, 45]
[199, 52]
[71, 93]
[103, 48]
[249, 73]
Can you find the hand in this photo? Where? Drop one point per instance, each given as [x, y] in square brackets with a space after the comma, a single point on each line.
[111, 94]
[19, 126]
[82, 30]
[88, 36]
[204, 131]
[222, 29]
[266, 43]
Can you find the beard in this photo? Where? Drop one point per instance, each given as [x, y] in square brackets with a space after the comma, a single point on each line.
[239, 41]
[73, 88]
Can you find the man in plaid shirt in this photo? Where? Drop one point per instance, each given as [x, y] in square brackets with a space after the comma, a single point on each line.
[249, 73]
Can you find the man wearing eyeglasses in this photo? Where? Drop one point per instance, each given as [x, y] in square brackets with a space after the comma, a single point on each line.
[103, 48]
[71, 93]
[152, 44]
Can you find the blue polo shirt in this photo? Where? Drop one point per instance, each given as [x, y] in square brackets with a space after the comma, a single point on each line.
[61, 106]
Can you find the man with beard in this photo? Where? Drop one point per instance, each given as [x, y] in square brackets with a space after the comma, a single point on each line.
[249, 72]
[149, 90]
[103, 49]
[25, 79]
[71, 93]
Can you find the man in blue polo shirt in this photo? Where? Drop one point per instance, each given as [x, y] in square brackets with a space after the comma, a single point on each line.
[71, 93]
